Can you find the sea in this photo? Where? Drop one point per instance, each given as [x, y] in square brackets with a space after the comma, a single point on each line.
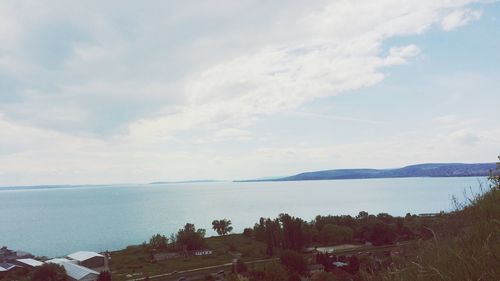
[58, 220]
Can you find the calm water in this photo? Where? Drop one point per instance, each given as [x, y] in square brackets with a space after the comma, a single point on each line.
[58, 221]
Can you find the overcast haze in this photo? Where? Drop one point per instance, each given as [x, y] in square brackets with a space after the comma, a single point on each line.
[140, 91]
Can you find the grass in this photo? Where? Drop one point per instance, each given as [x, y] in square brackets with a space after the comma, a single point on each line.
[465, 246]
[135, 260]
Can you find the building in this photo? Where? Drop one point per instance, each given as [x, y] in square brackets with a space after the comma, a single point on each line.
[202, 252]
[88, 259]
[6, 268]
[76, 272]
[29, 263]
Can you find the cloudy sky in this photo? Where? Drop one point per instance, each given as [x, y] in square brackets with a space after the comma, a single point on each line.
[116, 92]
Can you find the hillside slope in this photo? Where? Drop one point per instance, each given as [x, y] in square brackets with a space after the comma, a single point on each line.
[420, 170]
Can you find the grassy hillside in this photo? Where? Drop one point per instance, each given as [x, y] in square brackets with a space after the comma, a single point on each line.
[465, 247]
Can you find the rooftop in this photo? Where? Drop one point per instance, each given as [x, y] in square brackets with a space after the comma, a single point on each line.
[83, 255]
[30, 262]
[6, 267]
[77, 272]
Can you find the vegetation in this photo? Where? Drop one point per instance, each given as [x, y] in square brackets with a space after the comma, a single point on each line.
[158, 242]
[49, 272]
[466, 246]
[294, 262]
[104, 276]
[222, 227]
[190, 238]
[137, 260]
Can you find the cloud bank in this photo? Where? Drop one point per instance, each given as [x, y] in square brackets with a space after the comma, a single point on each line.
[99, 92]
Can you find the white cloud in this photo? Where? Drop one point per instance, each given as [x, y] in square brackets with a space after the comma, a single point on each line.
[459, 18]
[165, 74]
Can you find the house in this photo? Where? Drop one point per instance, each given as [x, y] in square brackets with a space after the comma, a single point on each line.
[88, 259]
[29, 263]
[6, 268]
[76, 272]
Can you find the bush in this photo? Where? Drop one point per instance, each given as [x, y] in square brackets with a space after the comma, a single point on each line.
[293, 261]
[248, 232]
[49, 272]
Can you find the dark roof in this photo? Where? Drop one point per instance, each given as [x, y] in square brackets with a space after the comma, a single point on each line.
[6, 266]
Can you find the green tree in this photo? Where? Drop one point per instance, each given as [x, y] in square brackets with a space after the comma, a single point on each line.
[49, 272]
[190, 237]
[222, 227]
[335, 234]
[294, 277]
[293, 261]
[158, 241]
[275, 272]
[104, 276]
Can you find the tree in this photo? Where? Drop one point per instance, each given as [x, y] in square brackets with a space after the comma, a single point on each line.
[275, 272]
[49, 272]
[335, 234]
[248, 232]
[222, 227]
[495, 176]
[294, 277]
[353, 267]
[106, 276]
[190, 237]
[382, 234]
[293, 261]
[158, 241]
[241, 266]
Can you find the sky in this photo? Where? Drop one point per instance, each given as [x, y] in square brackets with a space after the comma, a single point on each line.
[96, 92]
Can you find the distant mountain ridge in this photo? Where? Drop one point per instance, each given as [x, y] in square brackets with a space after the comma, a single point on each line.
[419, 170]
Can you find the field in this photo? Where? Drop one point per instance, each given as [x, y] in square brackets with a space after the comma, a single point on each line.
[135, 262]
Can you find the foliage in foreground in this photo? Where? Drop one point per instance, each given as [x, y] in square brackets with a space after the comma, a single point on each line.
[465, 247]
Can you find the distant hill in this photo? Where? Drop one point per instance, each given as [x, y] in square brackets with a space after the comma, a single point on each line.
[419, 170]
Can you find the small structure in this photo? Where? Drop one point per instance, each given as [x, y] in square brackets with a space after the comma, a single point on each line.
[88, 259]
[29, 263]
[205, 252]
[4, 267]
[76, 272]
[339, 264]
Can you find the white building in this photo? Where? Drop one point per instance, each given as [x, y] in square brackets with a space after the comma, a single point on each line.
[88, 259]
[76, 272]
[29, 263]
